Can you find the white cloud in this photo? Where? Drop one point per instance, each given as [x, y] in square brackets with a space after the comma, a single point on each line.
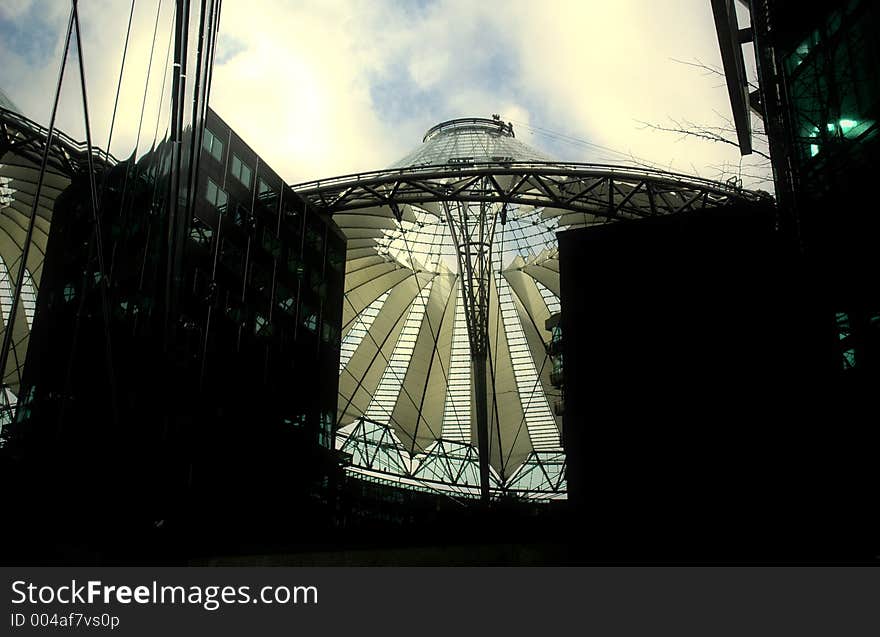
[13, 9]
[298, 93]
[31, 83]
[600, 68]
[320, 88]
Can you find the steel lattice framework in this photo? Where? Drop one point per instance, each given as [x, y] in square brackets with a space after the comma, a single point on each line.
[460, 237]
[595, 192]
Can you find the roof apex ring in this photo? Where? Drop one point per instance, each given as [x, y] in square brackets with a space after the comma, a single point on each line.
[471, 123]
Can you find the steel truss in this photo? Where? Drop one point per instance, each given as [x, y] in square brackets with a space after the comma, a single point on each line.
[472, 198]
[27, 139]
[472, 227]
[601, 192]
[448, 467]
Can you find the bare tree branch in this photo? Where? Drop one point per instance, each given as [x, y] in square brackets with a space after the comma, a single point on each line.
[710, 70]
[709, 133]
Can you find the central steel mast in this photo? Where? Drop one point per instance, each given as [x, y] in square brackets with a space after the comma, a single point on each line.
[472, 226]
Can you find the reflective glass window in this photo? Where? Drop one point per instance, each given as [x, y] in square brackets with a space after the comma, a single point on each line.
[213, 145]
[241, 171]
[216, 196]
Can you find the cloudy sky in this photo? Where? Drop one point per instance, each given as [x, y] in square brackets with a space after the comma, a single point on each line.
[327, 87]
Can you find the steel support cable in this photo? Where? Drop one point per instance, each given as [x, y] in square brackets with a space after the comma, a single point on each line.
[99, 241]
[442, 369]
[543, 364]
[534, 387]
[481, 350]
[388, 365]
[490, 349]
[106, 167]
[378, 349]
[19, 282]
[118, 89]
[164, 82]
[408, 248]
[426, 317]
[200, 86]
[582, 142]
[498, 324]
[434, 335]
[133, 166]
[388, 360]
[533, 324]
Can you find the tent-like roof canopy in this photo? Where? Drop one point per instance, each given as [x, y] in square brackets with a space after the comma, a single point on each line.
[406, 392]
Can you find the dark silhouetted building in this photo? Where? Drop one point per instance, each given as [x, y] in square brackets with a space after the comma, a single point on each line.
[171, 375]
[687, 345]
[818, 94]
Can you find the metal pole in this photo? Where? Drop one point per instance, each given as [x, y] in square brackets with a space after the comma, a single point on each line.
[96, 216]
[473, 248]
[481, 404]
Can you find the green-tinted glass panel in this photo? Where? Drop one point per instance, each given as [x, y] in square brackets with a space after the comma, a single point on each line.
[213, 145]
[284, 299]
[310, 319]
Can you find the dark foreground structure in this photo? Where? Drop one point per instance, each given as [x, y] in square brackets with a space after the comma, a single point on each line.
[703, 406]
[180, 324]
[819, 98]
[721, 369]
[183, 386]
[171, 347]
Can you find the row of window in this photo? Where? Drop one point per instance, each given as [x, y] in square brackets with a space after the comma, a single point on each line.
[310, 320]
[231, 257]
[219, 199]
[213, 144]
[239, 168]
[241, 171]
